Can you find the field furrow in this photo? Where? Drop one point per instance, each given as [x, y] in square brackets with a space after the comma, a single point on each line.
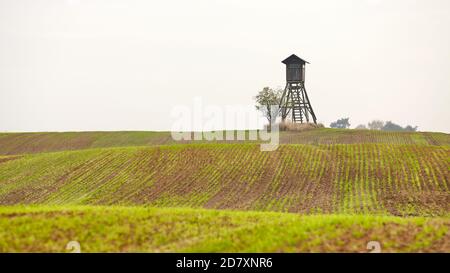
[404, 180]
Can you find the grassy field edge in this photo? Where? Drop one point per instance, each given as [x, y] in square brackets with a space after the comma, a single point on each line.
[148, 229]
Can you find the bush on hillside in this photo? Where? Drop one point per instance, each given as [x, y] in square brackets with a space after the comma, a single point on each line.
[390, 126]
[342, 123]
[361, 127]
[375, 125]
[290, 126]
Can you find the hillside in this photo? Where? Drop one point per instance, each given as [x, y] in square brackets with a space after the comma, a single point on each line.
[23, 143]
[323, 190]
[405, 180]
[138, 229]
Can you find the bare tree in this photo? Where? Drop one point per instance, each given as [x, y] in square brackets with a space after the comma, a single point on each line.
[361, 127]
[376, 125]
[265, 99]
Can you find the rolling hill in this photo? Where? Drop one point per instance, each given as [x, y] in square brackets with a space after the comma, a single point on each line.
[352, 178]
[22, 143]
[350, 185]
[139, 229]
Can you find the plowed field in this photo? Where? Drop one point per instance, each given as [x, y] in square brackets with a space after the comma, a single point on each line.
[322, 190]
[402, 180]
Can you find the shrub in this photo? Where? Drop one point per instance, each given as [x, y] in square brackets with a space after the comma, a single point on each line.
[290, 126]
[342, 123]
[375, 124]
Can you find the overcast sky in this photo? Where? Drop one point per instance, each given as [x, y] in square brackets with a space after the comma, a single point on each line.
[123, 64]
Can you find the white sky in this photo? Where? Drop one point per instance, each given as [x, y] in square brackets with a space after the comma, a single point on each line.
[124, 65]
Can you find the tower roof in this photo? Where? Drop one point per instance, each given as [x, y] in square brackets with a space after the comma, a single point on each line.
[294, 59]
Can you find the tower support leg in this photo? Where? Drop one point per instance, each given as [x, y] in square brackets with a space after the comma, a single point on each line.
[295, 101]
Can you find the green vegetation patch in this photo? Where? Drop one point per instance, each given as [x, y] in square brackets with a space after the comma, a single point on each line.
[29, 143]
[140, 229]
[375, 179]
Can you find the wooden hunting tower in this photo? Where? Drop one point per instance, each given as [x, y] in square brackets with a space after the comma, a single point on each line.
[295, 99]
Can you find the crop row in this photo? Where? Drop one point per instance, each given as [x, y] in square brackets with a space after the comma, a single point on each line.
[356, 178]
[29, 143]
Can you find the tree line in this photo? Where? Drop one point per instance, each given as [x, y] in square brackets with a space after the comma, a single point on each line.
[344, 123]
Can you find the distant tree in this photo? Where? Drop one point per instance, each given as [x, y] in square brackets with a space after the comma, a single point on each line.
[375, 125]
[342, 123]
[361, 127]
[409, 128]
[265, 99]
[390, 126]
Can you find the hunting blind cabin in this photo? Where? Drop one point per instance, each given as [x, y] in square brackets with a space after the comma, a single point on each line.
[295, 100]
